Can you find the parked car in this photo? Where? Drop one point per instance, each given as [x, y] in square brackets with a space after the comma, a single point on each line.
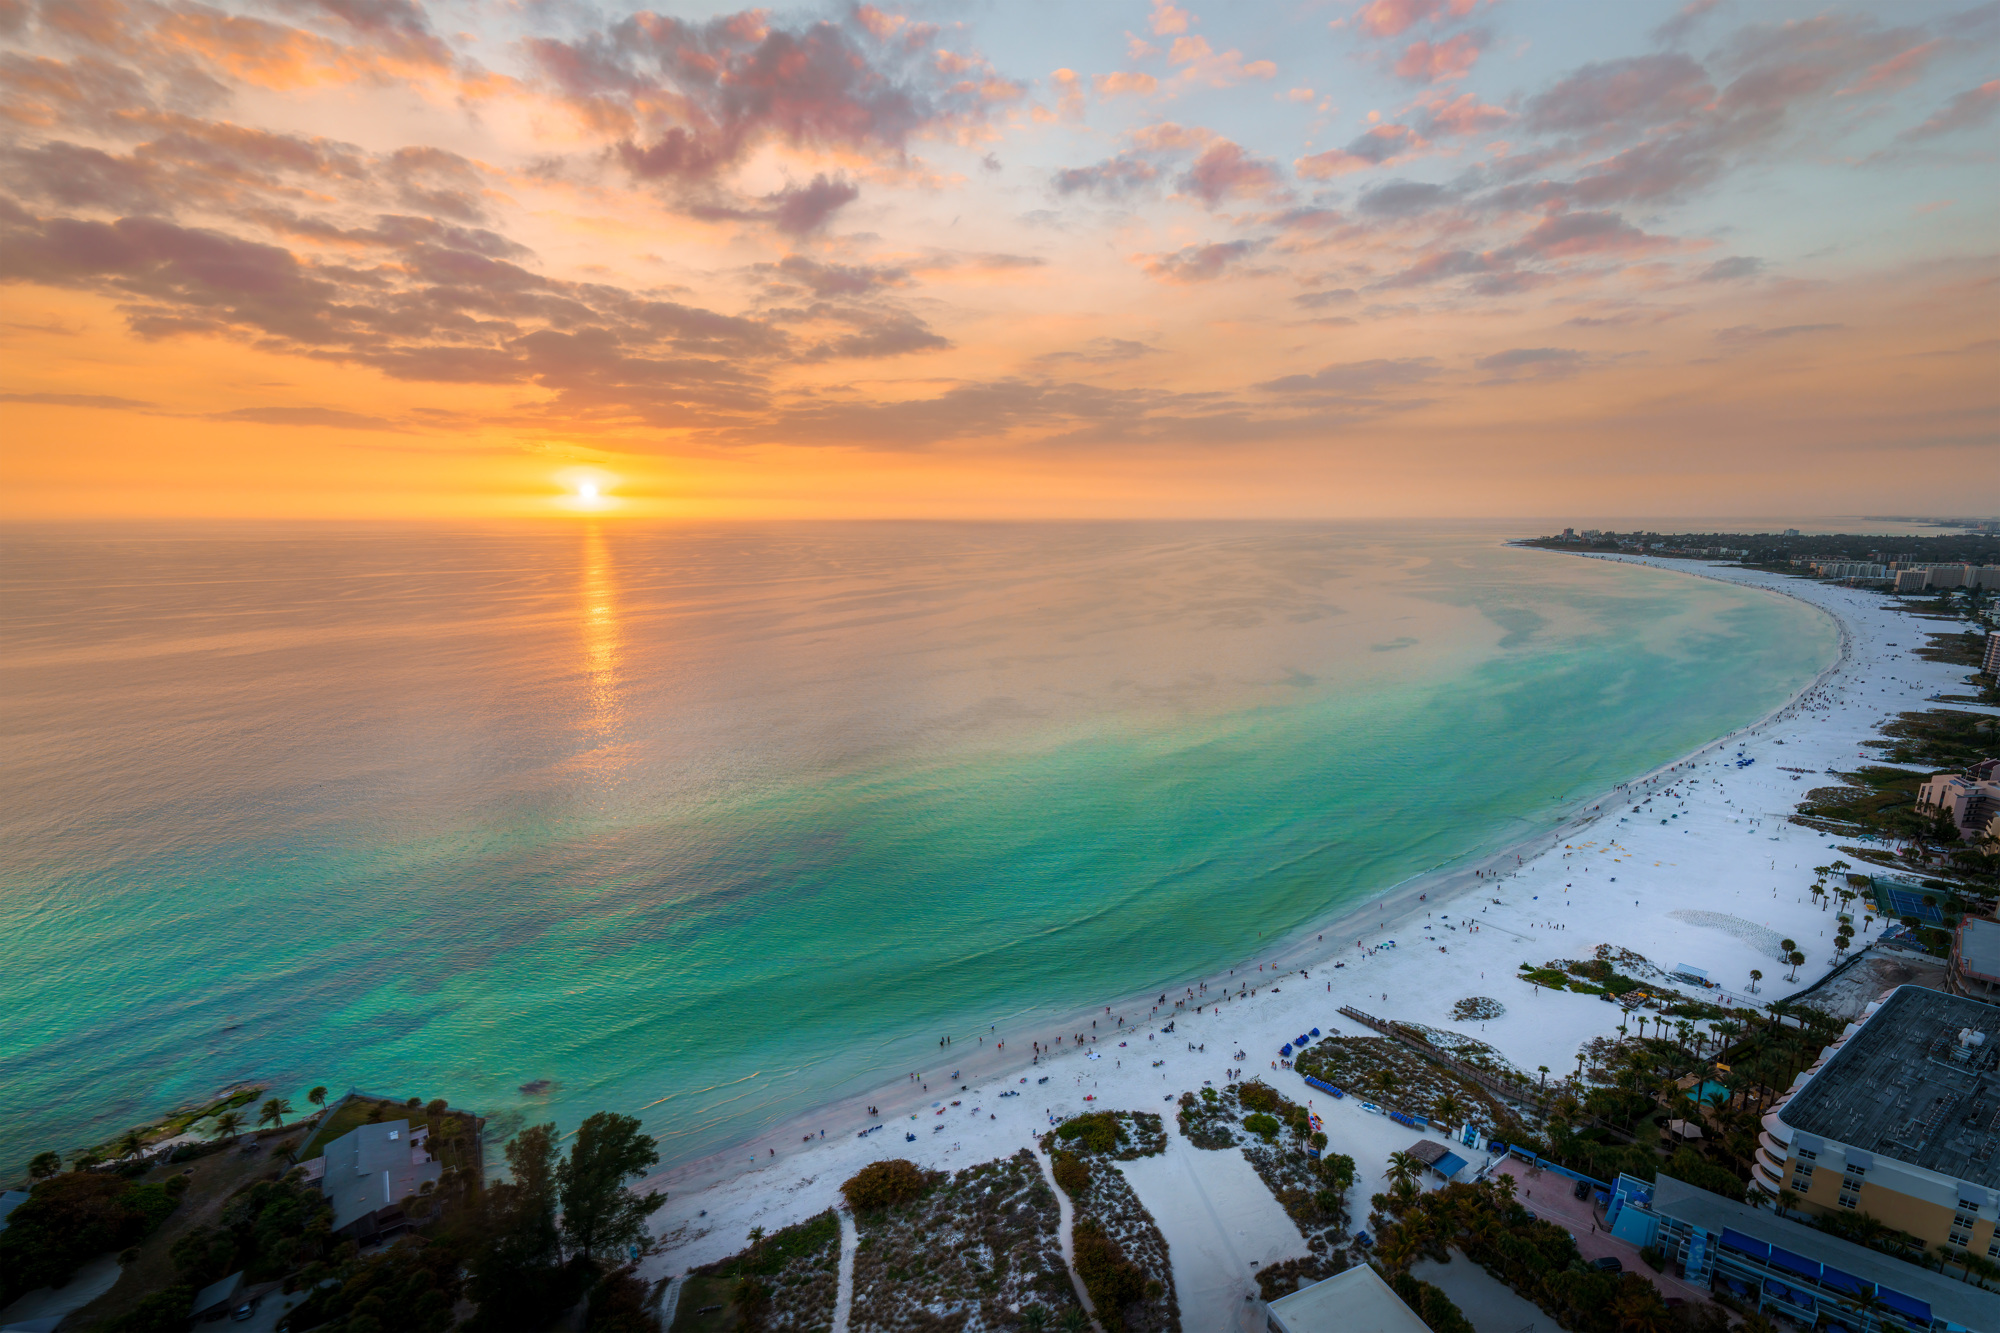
[1582, 1190]
[1608, 1264]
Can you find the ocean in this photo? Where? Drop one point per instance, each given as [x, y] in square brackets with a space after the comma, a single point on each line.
[716, 825]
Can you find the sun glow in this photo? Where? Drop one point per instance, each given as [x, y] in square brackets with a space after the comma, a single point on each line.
[586, 492]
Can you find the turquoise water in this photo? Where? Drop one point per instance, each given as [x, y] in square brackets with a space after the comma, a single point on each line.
[719, 825]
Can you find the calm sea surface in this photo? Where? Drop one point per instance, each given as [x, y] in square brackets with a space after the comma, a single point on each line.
[716, 825]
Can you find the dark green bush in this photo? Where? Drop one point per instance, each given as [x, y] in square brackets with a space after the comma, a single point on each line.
[882, 1185]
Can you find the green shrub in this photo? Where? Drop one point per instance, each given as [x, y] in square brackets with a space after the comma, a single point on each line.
[162, 1312]
[1099, 1131]
[1258, 1097]
[882, 1185]
[1072, 1173]
[1263, 1126]
[1112, 1280]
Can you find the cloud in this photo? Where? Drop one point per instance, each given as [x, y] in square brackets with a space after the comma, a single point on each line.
[1393, 18]
[734, 82]
[1346, 379]
[1969, 110]
[1069, 93]
[1197, 263]
[1113, 178]
[1897, 71]
[1216, 69]
[305, 416]
[1321, 300]
[1571, 235]
[1731, 269]
[1100, 352]
[1379, 146]
[1403, 199]
[1224, 170]
[1444, 116]
[1624, 96]
[1121, 82]
[1536, 362]
[1683, 21]
[1750, 333]
[824, 279]
[105, 401]
[1430, 62]
[794, 210]
[1166, 20]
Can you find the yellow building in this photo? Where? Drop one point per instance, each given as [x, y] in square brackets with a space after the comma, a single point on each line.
[1900, 1119]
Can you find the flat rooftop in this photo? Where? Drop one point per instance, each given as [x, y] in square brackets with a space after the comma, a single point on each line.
[1904, 1086]
[1979, 947]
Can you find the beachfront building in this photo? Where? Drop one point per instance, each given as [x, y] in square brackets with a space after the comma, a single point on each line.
[1911, 580]
[370, 1171]
[1991, 664]
[1785, 1268]
[1974, 970]
[1899, 1119]
[1357, 1301]
[1972, 797]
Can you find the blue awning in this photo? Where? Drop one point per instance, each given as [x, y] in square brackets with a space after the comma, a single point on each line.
[1450, 1165]
[1794, 1263]
[1902, 1304]
[1742, 1244]
[1847, 1282]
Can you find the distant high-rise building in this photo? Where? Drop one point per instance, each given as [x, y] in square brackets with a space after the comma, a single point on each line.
[1991, 666]
[1791, 532]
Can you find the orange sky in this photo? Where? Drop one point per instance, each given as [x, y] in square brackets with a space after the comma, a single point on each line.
[353, 258]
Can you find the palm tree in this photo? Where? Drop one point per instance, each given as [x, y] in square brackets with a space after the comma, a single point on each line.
[1786, 946]
[1074, 1320]
[1035, 1318]
[1447, 1109]
[1403, 1167]
[1788, 1199]
[317, 1097]
[1755, 977]
[1797, 960]
[227, 1124]
[1545, 1075]
[131, 1143]
[273, 1112]
[448, 1134]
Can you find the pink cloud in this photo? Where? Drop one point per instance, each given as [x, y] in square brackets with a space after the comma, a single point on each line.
[1379, 146]
[1189, 49]
[1572, 235]
[1167, 20]
[1224, 170]
[1973, 107]
[1897, 71]
[1069, 93]
[1429, 62]
[1392, 18]
[1120, 82]
[1464, 114]
[1196, 263]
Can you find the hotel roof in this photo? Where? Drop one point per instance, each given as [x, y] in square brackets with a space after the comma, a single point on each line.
[1357, 1301]
[1947, 1296]
[1979, 948]
[1906, 1086]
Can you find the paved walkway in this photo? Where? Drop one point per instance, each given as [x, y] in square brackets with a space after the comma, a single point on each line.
[1491, 1305]
[1548, 1195]
[96, 1277]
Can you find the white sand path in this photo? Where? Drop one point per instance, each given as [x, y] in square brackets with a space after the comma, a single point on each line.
[1221, 1224]
[1707, 873]
[850, 1243]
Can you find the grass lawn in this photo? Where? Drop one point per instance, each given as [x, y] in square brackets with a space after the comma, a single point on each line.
[697, 1294]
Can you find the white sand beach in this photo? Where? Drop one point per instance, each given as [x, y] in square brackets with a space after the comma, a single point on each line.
[1707, 873]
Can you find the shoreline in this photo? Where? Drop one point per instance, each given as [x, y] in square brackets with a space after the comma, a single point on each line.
[1304, 949]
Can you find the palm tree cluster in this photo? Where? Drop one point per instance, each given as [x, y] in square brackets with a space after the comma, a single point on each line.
[1536, 1258]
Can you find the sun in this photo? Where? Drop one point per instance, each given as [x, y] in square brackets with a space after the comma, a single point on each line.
[585, 491]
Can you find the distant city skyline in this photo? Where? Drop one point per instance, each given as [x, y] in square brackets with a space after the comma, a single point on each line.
[394, 259]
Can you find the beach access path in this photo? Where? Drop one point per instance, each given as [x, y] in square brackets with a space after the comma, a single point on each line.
[1707, 872]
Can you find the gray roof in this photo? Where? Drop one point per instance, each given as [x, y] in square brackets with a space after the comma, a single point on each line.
[220, 1292]
[1357, 1301]
[1979, 947]
[1904, 1087]
[1948, 1297]
[372, 1168]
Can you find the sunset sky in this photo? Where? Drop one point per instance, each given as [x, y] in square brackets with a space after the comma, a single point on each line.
[380, 258]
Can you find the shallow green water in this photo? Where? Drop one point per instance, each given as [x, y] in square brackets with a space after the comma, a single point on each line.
[719, 825]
